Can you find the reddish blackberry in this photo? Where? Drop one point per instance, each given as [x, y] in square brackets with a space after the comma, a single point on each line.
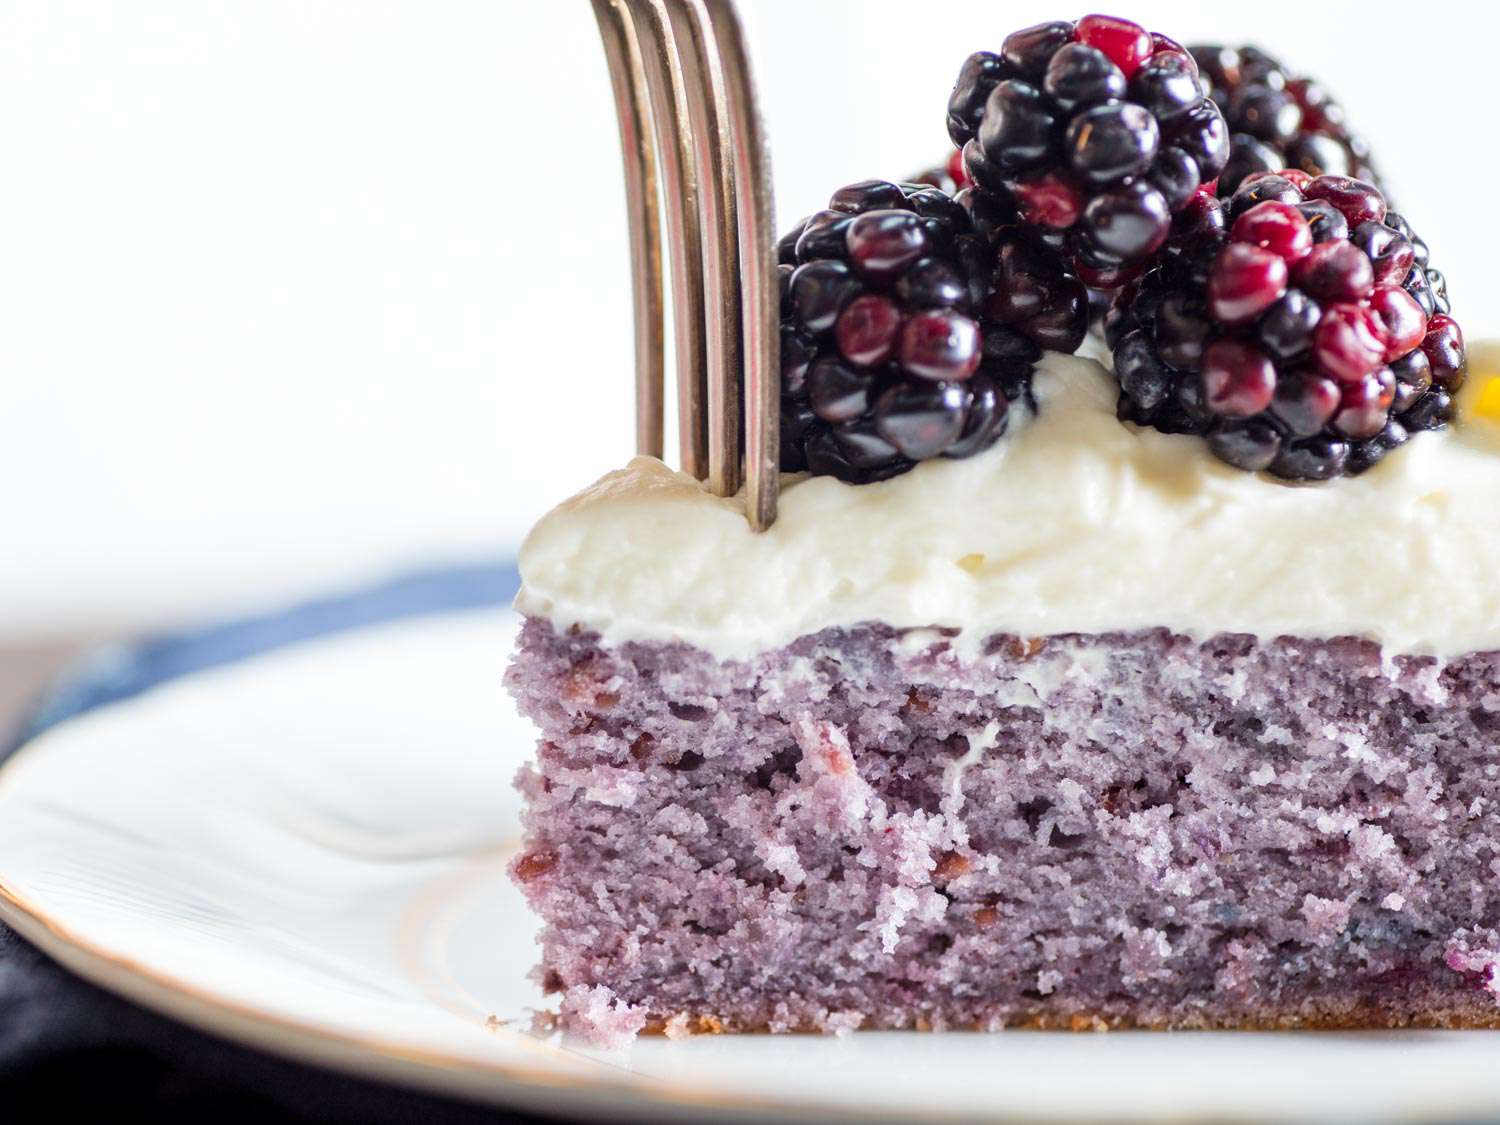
[907, 333]
[948, 176]
[1277, 120]
[1095, 132]
[1315, 342]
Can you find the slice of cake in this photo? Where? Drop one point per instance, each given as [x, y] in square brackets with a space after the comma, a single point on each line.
[1088, 730]
[1162, 694]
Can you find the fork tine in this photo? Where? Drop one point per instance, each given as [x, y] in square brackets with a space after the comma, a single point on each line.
[628, 81]
[675, 154]
[703, 82]
[756, 221]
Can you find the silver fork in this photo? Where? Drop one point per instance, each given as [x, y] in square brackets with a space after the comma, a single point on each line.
[693, 139]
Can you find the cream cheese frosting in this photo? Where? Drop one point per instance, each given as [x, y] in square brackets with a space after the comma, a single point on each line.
[1074, 522]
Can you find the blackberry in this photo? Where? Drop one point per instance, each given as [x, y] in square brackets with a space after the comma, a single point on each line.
[908, 330]
[949, 176]
[1277, 120]
[1315, 342]
[1093, 133]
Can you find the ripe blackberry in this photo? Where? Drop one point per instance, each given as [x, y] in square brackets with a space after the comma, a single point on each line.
[949, 176]
[952, 178]
[1277, 120]
[1095, 132]
[907, 333]
[1316, 341]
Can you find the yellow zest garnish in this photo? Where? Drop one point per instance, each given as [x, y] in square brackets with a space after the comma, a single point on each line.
[1479, 401]
[1487, 400]
[971, 563]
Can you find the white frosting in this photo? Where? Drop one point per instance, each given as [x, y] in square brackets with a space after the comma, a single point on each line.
[1072, 523]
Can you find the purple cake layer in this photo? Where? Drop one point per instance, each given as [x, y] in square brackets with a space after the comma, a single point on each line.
[866, 829]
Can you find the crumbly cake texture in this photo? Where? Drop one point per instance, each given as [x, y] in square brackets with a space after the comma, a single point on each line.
[872, 828]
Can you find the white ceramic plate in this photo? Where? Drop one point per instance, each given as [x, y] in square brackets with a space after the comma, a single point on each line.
[306, 852]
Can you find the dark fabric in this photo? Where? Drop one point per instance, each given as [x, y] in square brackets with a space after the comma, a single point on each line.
[67, 1047]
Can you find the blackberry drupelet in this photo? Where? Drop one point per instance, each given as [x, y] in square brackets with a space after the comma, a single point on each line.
[1095, 132]
[908, 330]
[1277, 120]
[1315, 339]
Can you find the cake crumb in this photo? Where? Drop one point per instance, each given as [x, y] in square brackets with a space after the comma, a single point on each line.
[1480, 963]
[596, 1016]
[1326, 918]
[843, 1023]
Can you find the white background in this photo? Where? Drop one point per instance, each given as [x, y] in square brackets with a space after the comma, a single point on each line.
[297, 293]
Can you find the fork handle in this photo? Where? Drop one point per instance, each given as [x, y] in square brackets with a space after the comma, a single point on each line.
[632, 109]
